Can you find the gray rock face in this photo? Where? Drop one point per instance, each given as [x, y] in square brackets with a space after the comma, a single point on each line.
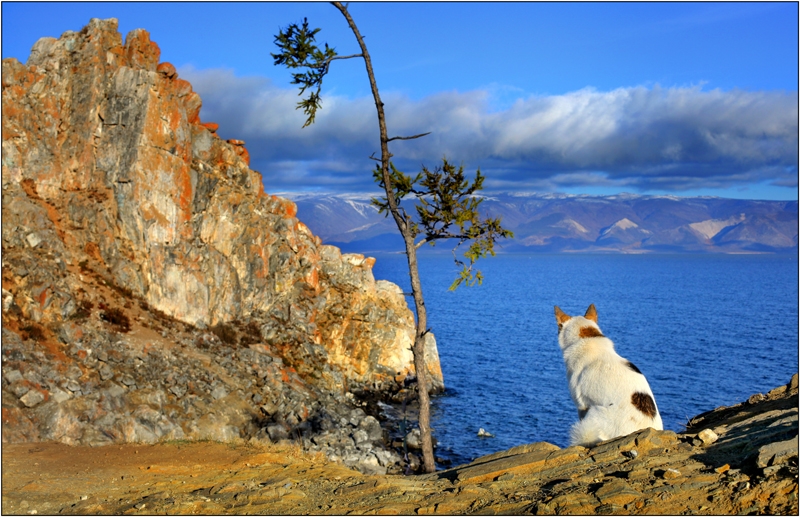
[777, 453]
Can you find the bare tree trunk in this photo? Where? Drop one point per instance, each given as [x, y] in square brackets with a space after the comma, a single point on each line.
[418, 348]
[419, 358]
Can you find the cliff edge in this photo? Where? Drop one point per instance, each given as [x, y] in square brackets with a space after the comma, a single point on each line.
[151, 288]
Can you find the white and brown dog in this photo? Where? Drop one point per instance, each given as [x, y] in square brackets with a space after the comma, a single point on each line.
[612, 396]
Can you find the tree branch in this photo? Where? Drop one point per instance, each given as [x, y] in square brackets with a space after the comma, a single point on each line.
[461, 236]
[408, 137]
[328, 61]
[430, 237]
[346, 57]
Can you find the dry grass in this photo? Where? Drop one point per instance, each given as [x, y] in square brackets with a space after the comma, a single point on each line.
[33, 331]
[116, 317]
[226, 333]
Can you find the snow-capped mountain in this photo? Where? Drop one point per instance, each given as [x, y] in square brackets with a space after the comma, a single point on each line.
[564, 222]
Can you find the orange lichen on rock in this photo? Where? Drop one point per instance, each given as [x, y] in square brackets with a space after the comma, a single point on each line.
[244, 155]
[167, 70]
[185, 197]
[312, 279]
[93, 250]
[29, 186]
[288, 208]
[181, 87]
[42, 298]
[140, 51]
[193, 104]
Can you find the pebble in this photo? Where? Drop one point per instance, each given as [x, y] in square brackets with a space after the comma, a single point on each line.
[12, 376]
[707, 436]
[20, 389]
[360, 436]
[219, 392]
[413, 439]
[59, 396]
[33, 240]
[32, 398]
[671, 474]
[8, 300]
[105, 372]
[72, 386]
[127, 380]
[73, 373]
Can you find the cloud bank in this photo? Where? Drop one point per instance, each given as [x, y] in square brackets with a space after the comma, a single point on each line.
[637, 138]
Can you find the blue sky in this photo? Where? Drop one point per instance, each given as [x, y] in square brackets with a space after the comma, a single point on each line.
[597, 98]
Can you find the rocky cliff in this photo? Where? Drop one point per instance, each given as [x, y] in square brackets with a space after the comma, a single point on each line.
[151, 288]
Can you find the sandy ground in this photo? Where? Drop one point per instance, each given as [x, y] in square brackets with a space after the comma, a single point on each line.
[51, 478]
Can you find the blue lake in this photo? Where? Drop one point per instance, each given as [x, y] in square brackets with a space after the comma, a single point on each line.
[706, 330]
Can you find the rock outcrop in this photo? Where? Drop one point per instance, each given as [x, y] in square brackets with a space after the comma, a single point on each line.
[142, 260]
[737, 460]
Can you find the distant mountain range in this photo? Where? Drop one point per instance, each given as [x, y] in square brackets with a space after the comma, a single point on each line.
[580, 223]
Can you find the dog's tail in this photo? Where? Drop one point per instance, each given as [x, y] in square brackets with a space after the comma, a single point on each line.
[593, 428]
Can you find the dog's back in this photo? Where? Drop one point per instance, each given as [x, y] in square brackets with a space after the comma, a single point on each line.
[612, 396]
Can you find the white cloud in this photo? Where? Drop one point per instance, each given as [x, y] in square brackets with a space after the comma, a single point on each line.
[642, 138]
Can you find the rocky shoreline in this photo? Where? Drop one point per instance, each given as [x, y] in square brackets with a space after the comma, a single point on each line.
[741, 460]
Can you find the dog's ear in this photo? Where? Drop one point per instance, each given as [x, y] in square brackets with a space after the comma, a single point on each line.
[591, 313]
[561, 317]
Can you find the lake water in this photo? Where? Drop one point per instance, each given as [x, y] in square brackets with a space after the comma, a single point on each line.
[706, 330]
